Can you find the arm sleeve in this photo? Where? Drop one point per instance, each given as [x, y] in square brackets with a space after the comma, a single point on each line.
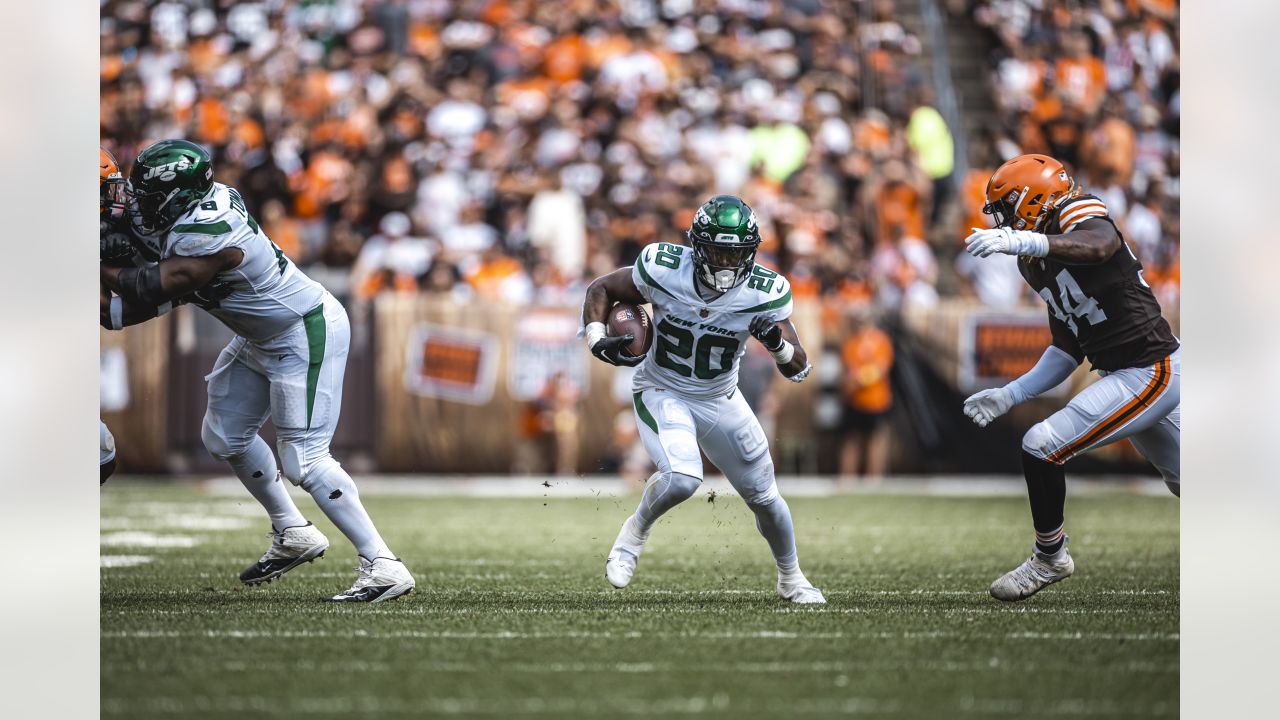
[1053, 367]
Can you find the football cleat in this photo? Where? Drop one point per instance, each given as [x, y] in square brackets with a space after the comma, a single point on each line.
[621, 564]
[378, 580]
[799, 591]
[1038, 572]
[289, 548]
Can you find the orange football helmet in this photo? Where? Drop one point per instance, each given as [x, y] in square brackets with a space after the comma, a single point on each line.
[1025, 191]
[110, 183]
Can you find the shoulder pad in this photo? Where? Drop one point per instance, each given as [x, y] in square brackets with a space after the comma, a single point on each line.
[657, 265]
[1078, 209]
[767, 291]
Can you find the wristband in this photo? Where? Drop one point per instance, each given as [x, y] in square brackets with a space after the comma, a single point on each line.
[783, 355]
[1038, 242]
[162, 309]
[595, 332]
[117, 312]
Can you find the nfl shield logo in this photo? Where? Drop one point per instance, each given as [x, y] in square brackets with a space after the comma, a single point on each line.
[703, 313]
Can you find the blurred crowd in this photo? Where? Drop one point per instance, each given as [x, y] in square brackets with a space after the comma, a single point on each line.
[514, 149]
[1094, 83]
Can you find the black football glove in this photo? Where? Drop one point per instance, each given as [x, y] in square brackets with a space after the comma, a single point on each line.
[764, 329]
[613, 351]
[208, 297]
[114, 248]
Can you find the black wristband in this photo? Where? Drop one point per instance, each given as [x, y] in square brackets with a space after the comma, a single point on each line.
[141, 286]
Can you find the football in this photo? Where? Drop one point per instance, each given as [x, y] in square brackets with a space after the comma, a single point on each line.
[626, 318]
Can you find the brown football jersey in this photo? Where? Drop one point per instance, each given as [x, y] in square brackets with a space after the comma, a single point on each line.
[1104, 312]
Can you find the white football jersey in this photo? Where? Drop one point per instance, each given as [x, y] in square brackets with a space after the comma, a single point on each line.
[268, 294]
[698, 343]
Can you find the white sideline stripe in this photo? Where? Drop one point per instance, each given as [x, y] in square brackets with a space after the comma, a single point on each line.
[610, 487]
[506, 635]
[117, 561]
[146, 539]
[174, 522]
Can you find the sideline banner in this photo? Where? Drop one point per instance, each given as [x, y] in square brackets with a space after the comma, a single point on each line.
[452, 363]
[996, 348]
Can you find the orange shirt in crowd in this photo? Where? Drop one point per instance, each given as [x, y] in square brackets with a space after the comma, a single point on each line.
[868, 357]
[487, 279]
[899, 204]
[213, 124]
[564, 58]
[1084, 80]
[973, 196]
[1109, 149]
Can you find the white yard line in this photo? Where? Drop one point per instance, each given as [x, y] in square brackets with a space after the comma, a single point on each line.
[118, 561]
[147, 540]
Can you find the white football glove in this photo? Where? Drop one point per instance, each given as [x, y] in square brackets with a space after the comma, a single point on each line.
[985, 406]
[984, 242]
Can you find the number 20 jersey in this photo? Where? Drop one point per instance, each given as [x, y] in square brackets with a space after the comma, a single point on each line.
[698, 343]
[1105, 312]
[267, 292]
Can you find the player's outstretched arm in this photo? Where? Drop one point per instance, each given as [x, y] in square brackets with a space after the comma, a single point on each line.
[1053, 368]
[150, 291]
[783, 343]
[1091, 242]
[602, 293]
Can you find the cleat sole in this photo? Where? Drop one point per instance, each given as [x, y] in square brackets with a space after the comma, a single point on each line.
[307, 557]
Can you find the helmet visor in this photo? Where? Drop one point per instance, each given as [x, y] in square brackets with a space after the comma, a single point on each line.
[111, 200]
[1002, 210]
[727, 256]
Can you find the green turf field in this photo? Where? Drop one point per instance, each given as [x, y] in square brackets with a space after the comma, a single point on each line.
[513, 617]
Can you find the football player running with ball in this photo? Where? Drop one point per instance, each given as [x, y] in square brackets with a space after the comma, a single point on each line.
[707, 298]
[1100, 308]
[286, 361]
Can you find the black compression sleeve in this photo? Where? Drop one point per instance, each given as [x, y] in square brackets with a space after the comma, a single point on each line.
[141, 286]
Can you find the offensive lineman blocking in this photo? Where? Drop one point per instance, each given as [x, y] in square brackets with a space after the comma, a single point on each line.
[287, 359]
[706, 300]
[1071, 253]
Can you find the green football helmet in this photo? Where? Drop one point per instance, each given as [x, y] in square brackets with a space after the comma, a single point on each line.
[168, 179]
[725, 236]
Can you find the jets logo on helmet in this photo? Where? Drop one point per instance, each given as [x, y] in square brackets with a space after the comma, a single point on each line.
[167, 172]
[724, 235]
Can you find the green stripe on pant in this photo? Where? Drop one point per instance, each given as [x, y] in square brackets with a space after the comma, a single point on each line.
[313, 321]
[643, 412]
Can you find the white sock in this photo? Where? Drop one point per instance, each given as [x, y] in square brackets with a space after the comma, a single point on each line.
[335, 492]
[256, 468]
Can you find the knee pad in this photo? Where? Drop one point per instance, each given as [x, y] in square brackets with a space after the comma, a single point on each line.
[758, 487]
[216, 441]
[298, 466]
[1039, 441]
[682, 486]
